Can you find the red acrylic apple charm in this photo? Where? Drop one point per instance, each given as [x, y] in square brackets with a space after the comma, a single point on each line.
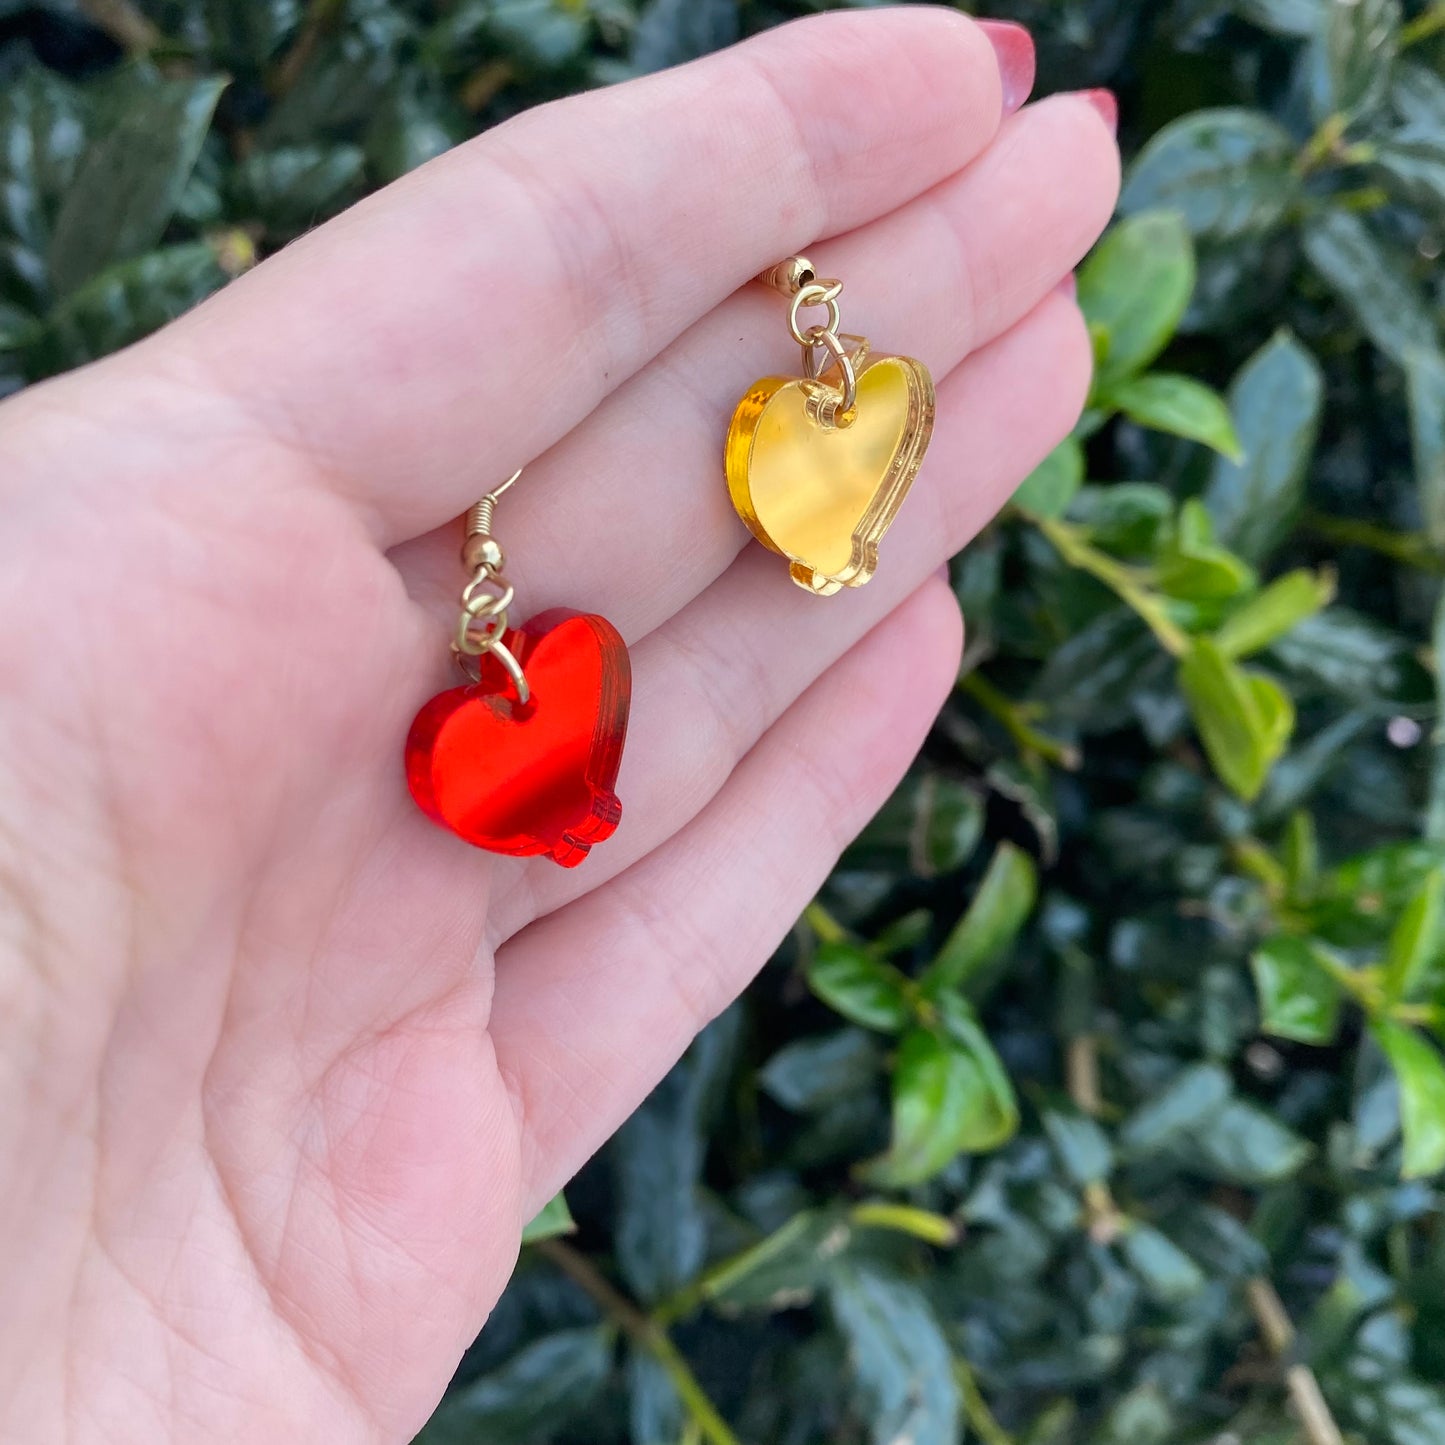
[533, 779]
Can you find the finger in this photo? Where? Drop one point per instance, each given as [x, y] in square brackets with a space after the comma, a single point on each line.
[714, 678]
[463, 319]
[937, 279]
[595, 1003]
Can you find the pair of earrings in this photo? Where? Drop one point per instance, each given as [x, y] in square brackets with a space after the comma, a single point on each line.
[523, 758]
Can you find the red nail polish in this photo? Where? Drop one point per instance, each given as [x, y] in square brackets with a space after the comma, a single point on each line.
[1014, 47]
[1105, 102]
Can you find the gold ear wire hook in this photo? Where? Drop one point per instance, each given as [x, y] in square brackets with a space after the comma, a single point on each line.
[479, 523]
[482, 625]
[797, 279]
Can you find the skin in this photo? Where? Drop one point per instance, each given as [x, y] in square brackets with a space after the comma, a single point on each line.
[283, 1066]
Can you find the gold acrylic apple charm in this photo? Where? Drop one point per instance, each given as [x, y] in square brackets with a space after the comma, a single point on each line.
[818, 465]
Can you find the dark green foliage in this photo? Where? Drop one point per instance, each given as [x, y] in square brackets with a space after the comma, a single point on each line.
[1126, 1010]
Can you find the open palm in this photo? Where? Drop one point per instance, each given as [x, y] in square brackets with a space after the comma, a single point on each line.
[286, 1067]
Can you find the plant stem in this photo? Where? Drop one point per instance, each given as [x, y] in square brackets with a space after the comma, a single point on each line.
[581, 1271]
[1321, 145]
[1081, 1066]
[123, 23]
[321, 15]
[905, 1219]
[1125, 582]
[1422, 27]
[823, 923]
[645, 1333]
[975, 1407]
[485, 84]
[1304, 1389]
[1410, 548]
[1365, 198]
[1027, 739]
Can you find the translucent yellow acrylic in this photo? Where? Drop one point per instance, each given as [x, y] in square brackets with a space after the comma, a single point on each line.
[822, 493]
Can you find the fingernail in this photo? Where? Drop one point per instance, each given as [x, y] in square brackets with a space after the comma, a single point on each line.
[1014, 47]
[1069, 287]
[1105, 102]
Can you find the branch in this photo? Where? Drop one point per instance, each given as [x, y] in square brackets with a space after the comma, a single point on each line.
[1304, 1389]
[321, 15]
[1125, 582]
[643, 1332]
[123, 23]
[975, 1407]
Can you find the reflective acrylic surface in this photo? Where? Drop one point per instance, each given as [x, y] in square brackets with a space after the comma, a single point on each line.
[533, 779]
[824, 496]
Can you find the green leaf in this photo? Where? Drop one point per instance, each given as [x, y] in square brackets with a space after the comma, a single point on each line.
[1278, 609]
[1229, 173]
[1300, 852]
[1168, 1274]
[655, 1412]
[1092, 681]
[810, 1074]
[1412, 162]
[1358, 899]
[537, 32]
[130, 182]
[1124, 518]
[1352, 57]
[1435, 803]
[1194, 1096]
[860, 987]
[1243, 1144]
[44, 121]
[542, 1387]
[1415, 960]
[17, 326]
[1417, 94]
[1180, 406]
[900, 1362]
[1425, 388]
[1298, 995]
[1081, 1144]
[122, 305]
[1144, 1417]
[907, 932]
[249, 34]
[295, 187]
[1052, 485]
[554, 1219]
[657, 1158]
[1298, 19]
[1385, 301]
[1397, 1410]
[1244, 719]
[1275, 401]
[1134, 289]
[1190, 565]
[950, 1096]
[42, 134]
[410, 128]
[785, 1269]
[344, 84]
[1353, 656]
[930, 826]
[1420, 1073]
[972, 952]
[670, 32]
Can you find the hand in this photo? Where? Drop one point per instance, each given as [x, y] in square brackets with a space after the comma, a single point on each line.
[285, 1066]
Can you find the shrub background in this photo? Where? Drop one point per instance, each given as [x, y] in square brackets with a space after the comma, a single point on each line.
[1108, 1058]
